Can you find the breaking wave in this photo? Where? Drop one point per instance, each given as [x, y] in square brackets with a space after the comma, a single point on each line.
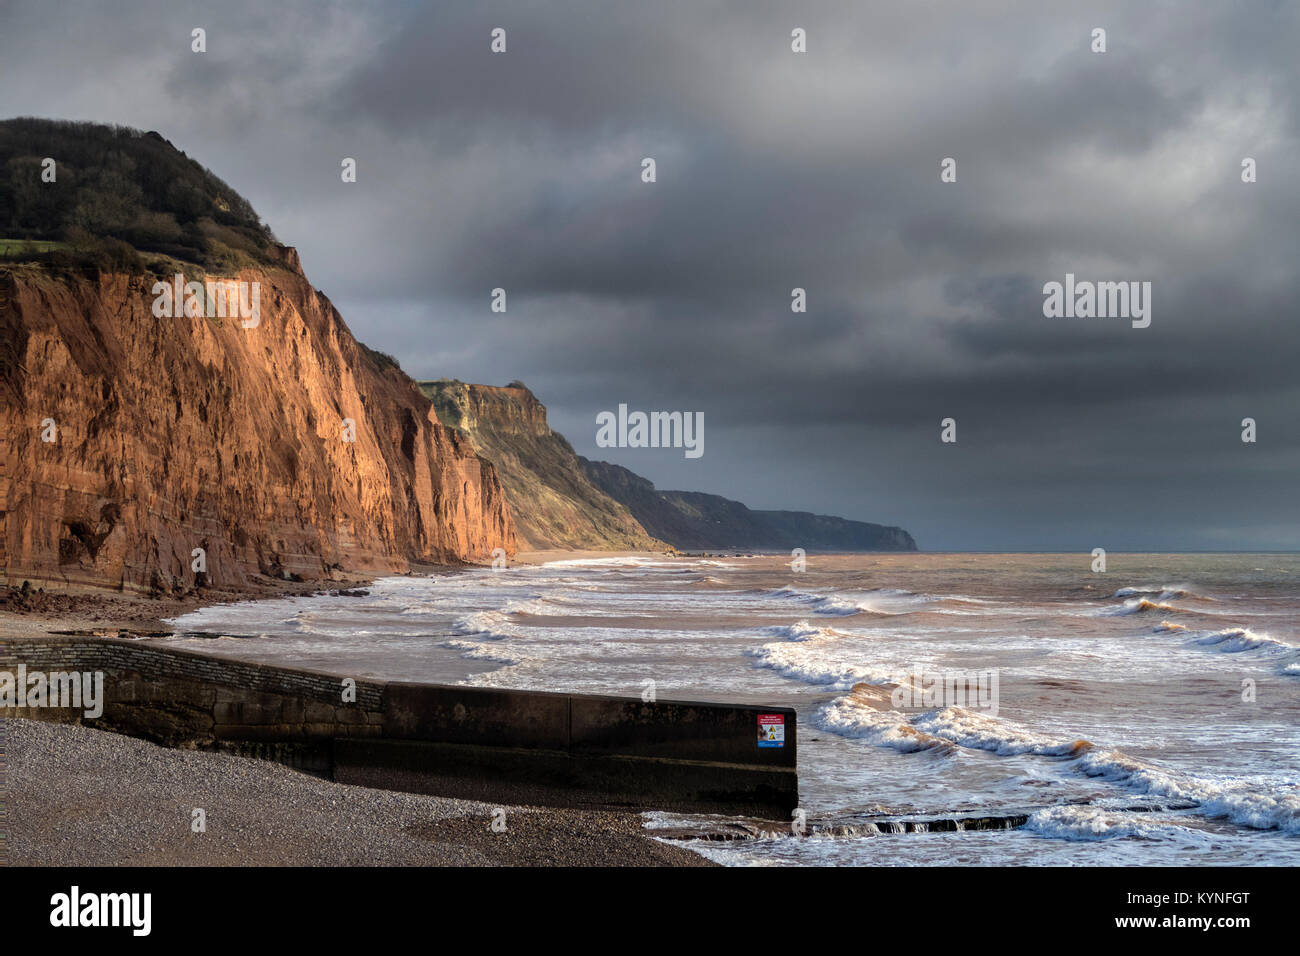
[803, 660]
[1238, 640]
[801, 631]
[1165, 592]
[843, 606]
[850, 718]
[1247, 802]
[1082, 823]
[494, 625]
[821, 603]
[1233, 640]
[479, 652]
[1139, 606]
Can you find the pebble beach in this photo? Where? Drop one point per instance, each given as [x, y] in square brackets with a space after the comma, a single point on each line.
[83, 797]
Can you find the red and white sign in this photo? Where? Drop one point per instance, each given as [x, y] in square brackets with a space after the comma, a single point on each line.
[771, 730]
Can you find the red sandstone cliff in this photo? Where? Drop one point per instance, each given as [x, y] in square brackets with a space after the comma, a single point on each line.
[183, 433]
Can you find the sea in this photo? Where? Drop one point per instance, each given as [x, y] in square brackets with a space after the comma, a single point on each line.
[1147, 714]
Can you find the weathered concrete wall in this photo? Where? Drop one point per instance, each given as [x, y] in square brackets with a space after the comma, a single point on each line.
[182, 698]
[497, 745]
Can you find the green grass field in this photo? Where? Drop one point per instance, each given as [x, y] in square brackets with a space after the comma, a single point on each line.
[12, 248]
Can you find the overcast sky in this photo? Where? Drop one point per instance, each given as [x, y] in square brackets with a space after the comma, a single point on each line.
[778, 169]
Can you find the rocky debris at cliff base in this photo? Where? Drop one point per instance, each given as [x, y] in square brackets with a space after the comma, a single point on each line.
[82, 607]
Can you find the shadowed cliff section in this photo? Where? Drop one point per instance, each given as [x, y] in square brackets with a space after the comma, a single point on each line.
[562, 500]
[695, 520]
[554, 503]
[177, 433]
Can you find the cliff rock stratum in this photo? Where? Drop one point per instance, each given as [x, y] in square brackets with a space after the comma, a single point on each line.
[133, 440]
[147, 451]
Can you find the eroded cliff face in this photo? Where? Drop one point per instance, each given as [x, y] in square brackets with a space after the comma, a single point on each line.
[555, 504]
[179, 433]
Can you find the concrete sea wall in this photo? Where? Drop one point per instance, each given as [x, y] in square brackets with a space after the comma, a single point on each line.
[501, 746]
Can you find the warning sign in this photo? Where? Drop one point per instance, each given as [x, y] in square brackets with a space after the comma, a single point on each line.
[771, 730]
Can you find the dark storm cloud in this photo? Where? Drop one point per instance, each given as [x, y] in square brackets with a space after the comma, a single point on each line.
[779, 170]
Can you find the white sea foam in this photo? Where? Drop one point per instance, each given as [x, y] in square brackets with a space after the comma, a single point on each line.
[536, 606]
[1085, 823]
[492, 624]
[848, 718]
[1164, 592]
[1248, 802]
[806, 661]
[978, 731]
[1251, 802]
[801, 631]
[809, 654]
[480, 652]
[622, 561]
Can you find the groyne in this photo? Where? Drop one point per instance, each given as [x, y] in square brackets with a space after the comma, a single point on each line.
[503, 746]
